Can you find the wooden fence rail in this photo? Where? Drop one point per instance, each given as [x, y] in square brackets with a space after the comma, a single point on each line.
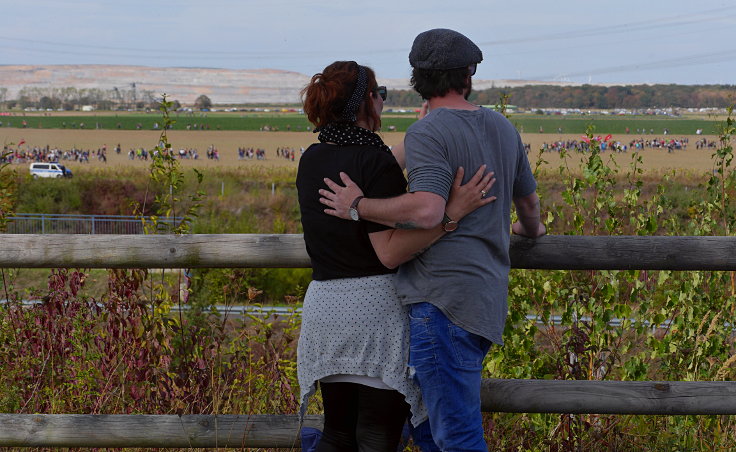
[523, 396]
[149, 431]
[551, 252]
[287, 250]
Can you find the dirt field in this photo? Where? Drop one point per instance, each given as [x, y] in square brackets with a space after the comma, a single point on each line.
[227, 142]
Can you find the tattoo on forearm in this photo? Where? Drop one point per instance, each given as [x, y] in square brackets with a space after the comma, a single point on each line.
[408, 225]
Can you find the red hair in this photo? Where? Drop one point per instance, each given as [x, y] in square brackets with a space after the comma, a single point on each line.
[328, 92]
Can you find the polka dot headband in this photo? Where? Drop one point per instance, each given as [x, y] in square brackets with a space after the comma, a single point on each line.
[361, 84]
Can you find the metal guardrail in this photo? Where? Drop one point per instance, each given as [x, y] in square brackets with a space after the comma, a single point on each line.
[230, 310]
[286, 311]
[45, 223]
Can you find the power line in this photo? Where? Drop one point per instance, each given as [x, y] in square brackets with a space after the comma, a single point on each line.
[156, 53]
[145, 57]
[598, 45]
[644, 25]
[680, 61]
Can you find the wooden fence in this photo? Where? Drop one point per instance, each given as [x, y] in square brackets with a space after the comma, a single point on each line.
[287, 250]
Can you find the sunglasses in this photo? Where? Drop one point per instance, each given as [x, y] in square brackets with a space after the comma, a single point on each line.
[472, 68]
[381, 91]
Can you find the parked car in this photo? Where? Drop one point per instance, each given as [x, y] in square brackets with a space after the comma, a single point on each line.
[49, 170]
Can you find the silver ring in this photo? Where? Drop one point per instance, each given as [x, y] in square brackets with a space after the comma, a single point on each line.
[483, 193]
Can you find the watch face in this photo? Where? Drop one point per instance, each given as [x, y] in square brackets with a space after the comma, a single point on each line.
[450, 226]
[354, 214]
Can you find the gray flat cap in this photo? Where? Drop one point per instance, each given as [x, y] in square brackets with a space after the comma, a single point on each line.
[441, 48]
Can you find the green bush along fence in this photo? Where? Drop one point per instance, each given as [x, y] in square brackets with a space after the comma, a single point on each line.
[677, 253]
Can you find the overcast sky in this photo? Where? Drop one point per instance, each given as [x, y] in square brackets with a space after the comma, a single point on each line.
[622, 41]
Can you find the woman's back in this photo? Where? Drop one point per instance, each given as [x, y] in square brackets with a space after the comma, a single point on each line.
[341, 248]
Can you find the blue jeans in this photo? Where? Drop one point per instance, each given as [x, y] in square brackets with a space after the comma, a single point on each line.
[448, 360]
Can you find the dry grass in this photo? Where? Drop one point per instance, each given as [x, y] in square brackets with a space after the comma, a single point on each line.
[227, 142]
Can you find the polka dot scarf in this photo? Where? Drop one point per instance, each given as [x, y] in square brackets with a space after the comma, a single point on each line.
[347, 135]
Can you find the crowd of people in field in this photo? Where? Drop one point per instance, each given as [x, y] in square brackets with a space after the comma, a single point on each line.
[183, 153]
[50, 154]
[705, 144]
[671, 144]
[21, 153]
[188, 153]
[137, 154]
[28, 154]
[249, 153]
[213, 153]
[638, 144]
[288, 153]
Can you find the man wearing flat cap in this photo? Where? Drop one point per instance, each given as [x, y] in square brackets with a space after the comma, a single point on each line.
[456, 289]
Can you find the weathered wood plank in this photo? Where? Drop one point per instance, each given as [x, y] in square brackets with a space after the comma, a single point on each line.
[609, 397]
[520, 396]
[561, 252]
[152, 251]
[288, 250]
[78, 430]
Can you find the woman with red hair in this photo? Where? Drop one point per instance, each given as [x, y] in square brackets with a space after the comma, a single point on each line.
[354, 338]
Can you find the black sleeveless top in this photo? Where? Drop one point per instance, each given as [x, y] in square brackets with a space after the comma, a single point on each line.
[341, 248]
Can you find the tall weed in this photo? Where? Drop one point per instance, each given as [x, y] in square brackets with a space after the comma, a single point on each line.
[124, 354]
[673, 325]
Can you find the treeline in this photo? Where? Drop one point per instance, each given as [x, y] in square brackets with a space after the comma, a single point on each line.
[71, 98]
[591, 96]
[530, 96]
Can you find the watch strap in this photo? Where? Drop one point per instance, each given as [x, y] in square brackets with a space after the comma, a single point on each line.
[354, 204]
[448, 224]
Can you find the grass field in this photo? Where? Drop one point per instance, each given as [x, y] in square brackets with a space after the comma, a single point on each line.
[227, 142]
[247, 121]
[615, 124]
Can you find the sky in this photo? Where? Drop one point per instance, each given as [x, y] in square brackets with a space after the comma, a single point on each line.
[579, 41]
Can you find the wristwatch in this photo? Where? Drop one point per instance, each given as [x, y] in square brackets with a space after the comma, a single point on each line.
[354, 209]
[448, 224]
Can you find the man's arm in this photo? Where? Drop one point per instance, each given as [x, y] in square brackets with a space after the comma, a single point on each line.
[418, 210]
[529, 224]
[394, 247]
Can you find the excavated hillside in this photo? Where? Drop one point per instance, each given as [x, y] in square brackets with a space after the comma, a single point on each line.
[222, 86]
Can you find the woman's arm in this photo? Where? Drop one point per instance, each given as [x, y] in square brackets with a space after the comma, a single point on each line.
[398, 149]
[396, 246]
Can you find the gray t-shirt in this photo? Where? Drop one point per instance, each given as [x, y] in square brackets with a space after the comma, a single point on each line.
[465, 274]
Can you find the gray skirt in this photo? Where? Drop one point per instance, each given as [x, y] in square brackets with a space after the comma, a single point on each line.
[356, 326]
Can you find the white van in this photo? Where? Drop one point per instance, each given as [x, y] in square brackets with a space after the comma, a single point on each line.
[49, 170]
